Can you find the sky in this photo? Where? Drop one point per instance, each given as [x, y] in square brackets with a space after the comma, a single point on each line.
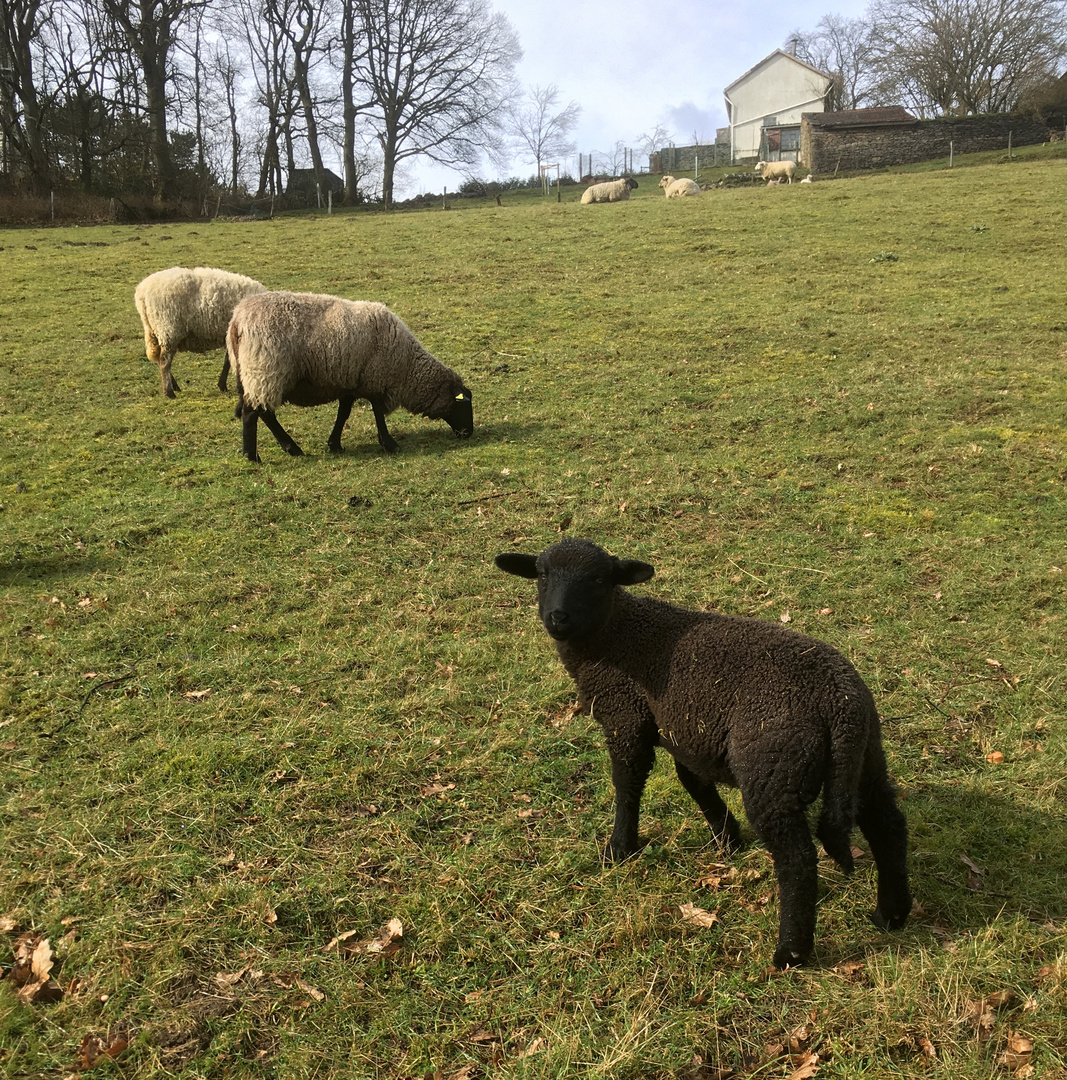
[633, 64]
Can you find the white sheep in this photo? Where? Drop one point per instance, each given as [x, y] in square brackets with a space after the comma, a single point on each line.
[678, 189]
[183, 309]
[781, 170]
[309, 349]
[610, 191]
[807, 179]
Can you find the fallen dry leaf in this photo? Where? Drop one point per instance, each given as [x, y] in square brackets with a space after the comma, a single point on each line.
[534, 814]
[435, 789]
[995, 758]
[317, 994]
[1016, 1055]
[94, 1048]
[809, 1066]
[799, 1039]
[32, 970]
[698, 916]
[480, 1035]
[927, 1047]
[535, 1047]
[196, 695]
[384, 943]
[7, 924]
[852, 970]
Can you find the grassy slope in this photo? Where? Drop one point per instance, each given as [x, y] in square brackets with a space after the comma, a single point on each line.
[748, 391]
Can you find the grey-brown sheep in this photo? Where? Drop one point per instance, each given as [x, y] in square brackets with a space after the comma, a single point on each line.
[310, 349]
[736, 701]
[185, 309]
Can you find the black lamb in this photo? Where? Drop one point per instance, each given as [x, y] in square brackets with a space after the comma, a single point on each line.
[744, 702]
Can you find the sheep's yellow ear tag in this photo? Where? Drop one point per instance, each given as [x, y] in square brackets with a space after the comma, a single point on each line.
[460, 397]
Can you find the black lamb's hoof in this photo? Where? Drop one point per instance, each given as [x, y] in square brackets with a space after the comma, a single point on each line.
[890, 922]
[617, 853]
[784, 957]
[293, 450]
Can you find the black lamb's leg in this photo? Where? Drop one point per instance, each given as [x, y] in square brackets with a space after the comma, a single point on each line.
[882, 823]
[385, 440]
[723, 824]
[631, 762]
[224, 374]
[285, 440]
[788, 839]
[344, 410]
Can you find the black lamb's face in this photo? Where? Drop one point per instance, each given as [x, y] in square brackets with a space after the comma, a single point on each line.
[575, 585]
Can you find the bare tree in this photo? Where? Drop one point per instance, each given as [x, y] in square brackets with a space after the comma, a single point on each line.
[967, 56]
[150, 28]
[540, 127]
[842, 48]
[21, 119]
[437, 75]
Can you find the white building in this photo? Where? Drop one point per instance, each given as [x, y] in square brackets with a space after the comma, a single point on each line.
[764, 107]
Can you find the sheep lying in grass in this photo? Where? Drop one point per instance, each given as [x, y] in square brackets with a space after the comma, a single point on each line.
[183, 309]
[610, 191]
[678, 189]
[736, 701]
[777, 170]
[308, 349]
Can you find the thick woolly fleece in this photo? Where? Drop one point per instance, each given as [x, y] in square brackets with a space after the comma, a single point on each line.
[736, 701]
[310, 349]
[679, 189]
[609, 191]
[188, 310]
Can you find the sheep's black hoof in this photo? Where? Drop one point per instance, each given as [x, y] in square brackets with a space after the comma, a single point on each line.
[391, 447]
[334, 448]
[254, 458]
[617, 853]
[889, 922]
[784, 957]
[293, 450]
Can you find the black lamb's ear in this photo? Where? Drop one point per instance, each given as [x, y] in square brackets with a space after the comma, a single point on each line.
[511, 562]
[632, 571]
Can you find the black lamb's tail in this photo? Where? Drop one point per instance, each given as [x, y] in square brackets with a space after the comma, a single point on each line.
[840, 796]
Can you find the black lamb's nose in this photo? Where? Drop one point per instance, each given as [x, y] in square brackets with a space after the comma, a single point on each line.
[558, 618]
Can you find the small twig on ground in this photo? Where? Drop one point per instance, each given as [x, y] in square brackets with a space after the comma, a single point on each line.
[104, 684]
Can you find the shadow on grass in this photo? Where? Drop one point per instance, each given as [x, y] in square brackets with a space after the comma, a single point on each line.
[50, 568]
[977, 854]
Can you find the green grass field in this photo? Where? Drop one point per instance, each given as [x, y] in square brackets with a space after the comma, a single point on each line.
[247, 710]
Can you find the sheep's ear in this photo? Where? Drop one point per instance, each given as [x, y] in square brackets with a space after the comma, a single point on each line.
[632, 571]
[511, 562]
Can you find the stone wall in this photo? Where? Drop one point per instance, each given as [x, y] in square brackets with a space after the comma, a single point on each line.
[677, 159]
[825, 149]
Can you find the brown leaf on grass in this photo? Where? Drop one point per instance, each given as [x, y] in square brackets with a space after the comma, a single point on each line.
[7, 924]
[530, 814]
[384, 943]
[799, 1040]
[698, 916]
[310, 990]
[983, 1012]
[535, 1047]
[435, 789]
[852, 970]
[196, 695]
[467, 1072]
[1016, 1055]
[94, 1048]
[808, 1067]
[995, 758]
[32, 970]
[565, 715]
[974, 876]
[715, 881]
[481, 1036]
[927, 1047]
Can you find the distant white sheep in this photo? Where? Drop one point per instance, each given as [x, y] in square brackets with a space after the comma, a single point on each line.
[807, 180]
[188, 310]
[610, 191]
[777, 170]
[678, 189]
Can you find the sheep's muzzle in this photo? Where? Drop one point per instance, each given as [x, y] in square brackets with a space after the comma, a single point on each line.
[460, 417]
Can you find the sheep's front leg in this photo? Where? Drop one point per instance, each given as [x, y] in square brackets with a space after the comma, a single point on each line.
[723, 824]
[223, 375]
[385, 440]
[249, 416]
[631, 762]
[344, 410]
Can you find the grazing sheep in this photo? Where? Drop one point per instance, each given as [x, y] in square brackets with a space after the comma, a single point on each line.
[183, 309]
[678, 189]
[780, 170]
[308, 349]
[736, 701]
[611, 191]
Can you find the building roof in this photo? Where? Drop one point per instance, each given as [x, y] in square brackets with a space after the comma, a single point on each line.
[767, 59]
[882, 116]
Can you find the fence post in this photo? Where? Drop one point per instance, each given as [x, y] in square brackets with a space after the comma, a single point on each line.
[950, 153]
[52, 197]
[1009, 144]
[329, 201]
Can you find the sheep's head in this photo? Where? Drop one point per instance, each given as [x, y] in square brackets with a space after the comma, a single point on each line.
[575, 585]
[759, 167]
[631, 183]
[666, 181]
[460, 414]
